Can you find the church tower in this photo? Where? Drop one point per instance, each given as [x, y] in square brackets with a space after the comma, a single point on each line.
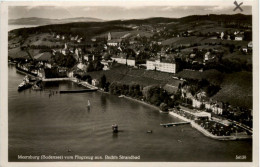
[109, 36]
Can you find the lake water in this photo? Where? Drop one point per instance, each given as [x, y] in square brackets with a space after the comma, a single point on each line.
[43, 125]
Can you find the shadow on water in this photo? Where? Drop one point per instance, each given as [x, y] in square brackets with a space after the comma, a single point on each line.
[115, 134]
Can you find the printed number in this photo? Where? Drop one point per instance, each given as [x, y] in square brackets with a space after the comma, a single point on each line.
[240, 156]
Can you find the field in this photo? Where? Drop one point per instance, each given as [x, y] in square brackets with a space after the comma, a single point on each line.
[120, 73]
[236, 88]
[213, 76]
[120, 34]
[17, 53]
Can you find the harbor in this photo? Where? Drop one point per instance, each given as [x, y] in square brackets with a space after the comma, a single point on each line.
[68, 115]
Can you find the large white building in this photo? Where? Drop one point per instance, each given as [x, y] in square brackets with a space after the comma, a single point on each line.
[114, 42]
[158, 65]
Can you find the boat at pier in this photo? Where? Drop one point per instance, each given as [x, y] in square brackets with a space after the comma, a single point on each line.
[25, 84]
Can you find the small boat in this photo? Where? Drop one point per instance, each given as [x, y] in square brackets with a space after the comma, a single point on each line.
[121, 96]
[115, 128]
[88, 103]
[25, 84]
[149, 131]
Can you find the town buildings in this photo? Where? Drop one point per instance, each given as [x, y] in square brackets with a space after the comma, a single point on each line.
[161, 65]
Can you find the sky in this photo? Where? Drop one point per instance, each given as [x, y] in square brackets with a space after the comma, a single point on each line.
[120, 12]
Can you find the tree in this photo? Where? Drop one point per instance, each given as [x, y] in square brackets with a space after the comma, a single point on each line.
[87, 78]
[212, 90]
[103, 81]
[231, 48]
[90, 67]
[163, 107]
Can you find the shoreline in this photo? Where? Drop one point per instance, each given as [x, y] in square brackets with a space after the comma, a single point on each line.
[207, 133]
[142, 102]
[193, 124]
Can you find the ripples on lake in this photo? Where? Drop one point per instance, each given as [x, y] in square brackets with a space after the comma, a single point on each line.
[43, 125]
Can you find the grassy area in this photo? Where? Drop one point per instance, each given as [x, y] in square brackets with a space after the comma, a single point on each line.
[182, 40]
[120, 73]
[236, 89]
[43, 39]
[17, 53]
[122, 33]
[213, 76]
[239, 56]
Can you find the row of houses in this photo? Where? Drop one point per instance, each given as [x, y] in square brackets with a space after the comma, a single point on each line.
[214, 106]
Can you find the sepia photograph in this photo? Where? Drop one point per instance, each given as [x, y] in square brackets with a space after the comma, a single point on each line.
[130, 83]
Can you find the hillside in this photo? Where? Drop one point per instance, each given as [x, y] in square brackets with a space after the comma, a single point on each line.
[183, 35]
[46, 21]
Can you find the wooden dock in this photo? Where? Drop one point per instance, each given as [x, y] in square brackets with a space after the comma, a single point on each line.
[174, 124]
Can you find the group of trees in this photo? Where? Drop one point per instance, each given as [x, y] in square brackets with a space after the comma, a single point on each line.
[104, 84]
[132, 90]
[196, 85]
[64, 61]
[157, 95]
[94, 66]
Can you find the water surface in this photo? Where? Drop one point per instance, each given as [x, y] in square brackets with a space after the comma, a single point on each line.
[40, 124]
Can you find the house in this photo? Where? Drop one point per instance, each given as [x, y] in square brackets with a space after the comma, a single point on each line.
[222, 35]
[250, 44]
[239, 38]
[106, 65]
[132, 42]
[192, 55]
[161, 65]
[114, 42]
[196, 103]
[244, 49]
[206, 56]
[228, 37]
[44, 59]
[171, 89]
[79, 40]
[123, 59]
[94, 82]
[215, 107]
[214, 37]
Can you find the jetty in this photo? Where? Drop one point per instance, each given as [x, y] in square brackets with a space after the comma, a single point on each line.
[78, 91]
[174, 124]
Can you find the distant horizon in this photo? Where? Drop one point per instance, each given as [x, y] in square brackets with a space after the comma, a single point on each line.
[128, 19]
[109, 13]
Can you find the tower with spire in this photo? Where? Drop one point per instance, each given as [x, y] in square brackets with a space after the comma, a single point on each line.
[109, 37]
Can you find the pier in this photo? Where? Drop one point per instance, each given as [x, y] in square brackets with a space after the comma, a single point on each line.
[174, 124]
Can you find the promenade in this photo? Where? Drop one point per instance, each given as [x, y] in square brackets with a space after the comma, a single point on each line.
[207, 133]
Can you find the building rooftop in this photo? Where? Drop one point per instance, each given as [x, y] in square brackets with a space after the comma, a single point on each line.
[45, 56]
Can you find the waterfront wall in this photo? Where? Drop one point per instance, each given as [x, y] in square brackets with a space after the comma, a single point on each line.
[179, 116]
[55, 79]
